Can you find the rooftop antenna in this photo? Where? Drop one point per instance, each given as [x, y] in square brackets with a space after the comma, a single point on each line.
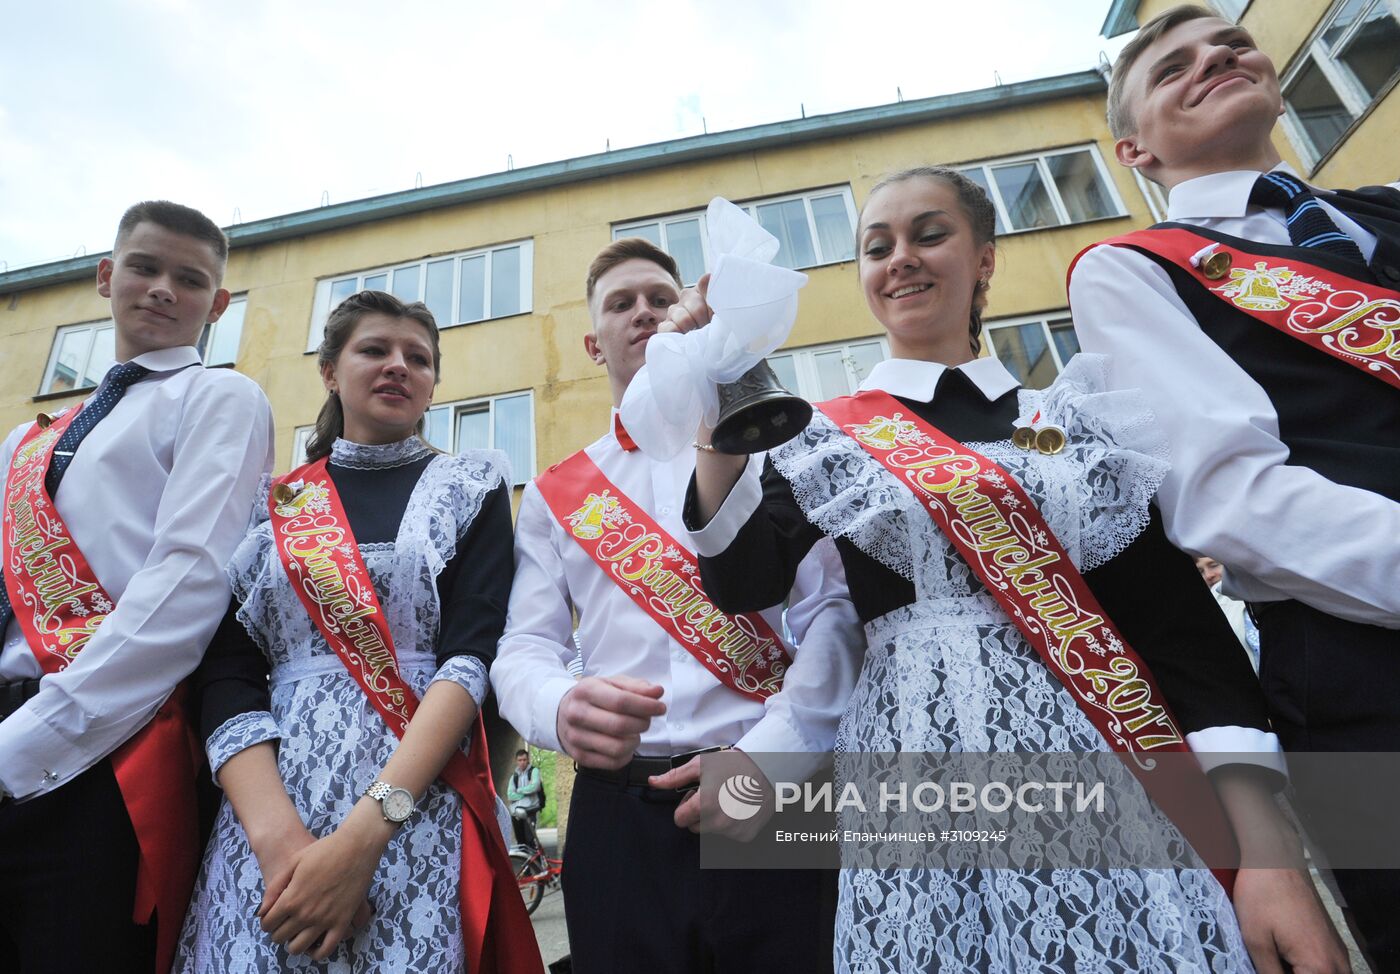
[81, 251]
[898, 93]
[237, 217]
[803, 105]
[325, 197]
[704, 125]
[510, 162]
[997, 76]
[607, 145]
[418, 180]
[1105, 67]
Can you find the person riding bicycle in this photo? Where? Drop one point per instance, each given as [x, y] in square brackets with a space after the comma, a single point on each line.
[526, 796]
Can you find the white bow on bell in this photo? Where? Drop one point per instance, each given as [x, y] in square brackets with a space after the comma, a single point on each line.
[754, 305]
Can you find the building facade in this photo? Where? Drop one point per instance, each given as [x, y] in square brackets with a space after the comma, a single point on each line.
[501, 260]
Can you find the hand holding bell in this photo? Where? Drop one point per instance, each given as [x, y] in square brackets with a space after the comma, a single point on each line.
[755, 412]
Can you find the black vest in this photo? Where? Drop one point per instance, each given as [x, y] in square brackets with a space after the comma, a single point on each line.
[1333, 417]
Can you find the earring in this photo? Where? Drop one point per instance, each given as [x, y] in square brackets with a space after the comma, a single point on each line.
[982, 284]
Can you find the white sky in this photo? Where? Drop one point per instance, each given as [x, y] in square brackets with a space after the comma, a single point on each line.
[262, 105]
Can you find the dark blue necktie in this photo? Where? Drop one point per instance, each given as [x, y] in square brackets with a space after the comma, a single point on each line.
[1308, 223]
[109, 393]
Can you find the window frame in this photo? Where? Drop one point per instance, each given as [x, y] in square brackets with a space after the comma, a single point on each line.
[460, 406]
[804, 361]
[620, 229]
[1045, 319]
[46, 378]
[321, 302]
[206, 336]
[1047, 179]
[1343, 81]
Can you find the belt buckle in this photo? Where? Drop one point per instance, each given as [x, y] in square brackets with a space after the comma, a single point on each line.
[679, 759]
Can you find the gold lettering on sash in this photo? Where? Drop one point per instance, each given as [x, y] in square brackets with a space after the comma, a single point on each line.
[1014, 562]
[663, 579]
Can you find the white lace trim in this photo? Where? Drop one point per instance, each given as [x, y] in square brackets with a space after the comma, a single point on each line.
[846, 493]
[377, 456]
[443, 504]
[239, 733]
[1094, 494]
[467, 672]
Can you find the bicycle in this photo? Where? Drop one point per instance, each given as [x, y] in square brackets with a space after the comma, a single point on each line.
[535, 873]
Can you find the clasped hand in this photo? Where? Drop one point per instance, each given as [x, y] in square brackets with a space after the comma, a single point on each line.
[316, 889]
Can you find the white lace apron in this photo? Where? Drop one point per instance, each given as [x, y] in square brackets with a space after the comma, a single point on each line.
[332, 744]
[951, 672]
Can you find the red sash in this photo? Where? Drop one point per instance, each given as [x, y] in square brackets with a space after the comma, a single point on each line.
[317, 550]
[60, 604]
[1006, 542]
[1353, 321]
[662, 577]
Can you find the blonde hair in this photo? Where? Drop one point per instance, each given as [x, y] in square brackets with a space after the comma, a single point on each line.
[1120, 120]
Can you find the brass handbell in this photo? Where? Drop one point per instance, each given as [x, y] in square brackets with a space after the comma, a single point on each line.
[756, 413]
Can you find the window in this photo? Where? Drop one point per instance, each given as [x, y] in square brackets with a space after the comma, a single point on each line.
[683, 237]
[812, 229]
[458, 288]
[219, 343]
[1348, 64]
[1034, 350]
[82, 354]
[1047, 190]
[826, 371]
[498, 423]
[300, 437]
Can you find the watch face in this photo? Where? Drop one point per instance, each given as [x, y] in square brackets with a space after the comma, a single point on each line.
[398, 805]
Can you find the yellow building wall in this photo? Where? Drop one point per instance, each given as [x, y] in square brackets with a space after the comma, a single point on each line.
[542, 350]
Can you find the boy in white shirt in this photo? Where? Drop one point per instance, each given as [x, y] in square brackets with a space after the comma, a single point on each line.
[119, 517]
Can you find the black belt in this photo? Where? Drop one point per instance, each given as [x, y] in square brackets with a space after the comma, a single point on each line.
[13, 695]
[637, 772]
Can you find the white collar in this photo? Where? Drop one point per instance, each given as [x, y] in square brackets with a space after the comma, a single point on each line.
[1217, 194]
[917, 380]
[168, 359]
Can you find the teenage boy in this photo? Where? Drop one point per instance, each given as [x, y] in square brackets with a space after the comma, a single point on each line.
[526, 796]
[1282, 410]
[666, 676]
[119, 517]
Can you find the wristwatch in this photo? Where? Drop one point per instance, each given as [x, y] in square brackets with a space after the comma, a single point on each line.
[395, 804]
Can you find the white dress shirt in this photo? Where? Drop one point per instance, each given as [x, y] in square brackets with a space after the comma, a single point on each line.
[554, 577]
[157, 496]
[1281, 531]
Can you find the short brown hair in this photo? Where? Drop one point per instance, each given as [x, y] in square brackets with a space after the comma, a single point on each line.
[176, 218]
[1120, 120]
[630, 248]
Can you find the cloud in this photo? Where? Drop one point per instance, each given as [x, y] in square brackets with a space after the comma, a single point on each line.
[264, 106]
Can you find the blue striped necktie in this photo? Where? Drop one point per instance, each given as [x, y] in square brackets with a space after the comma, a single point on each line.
[109, 393]
[1308, 223]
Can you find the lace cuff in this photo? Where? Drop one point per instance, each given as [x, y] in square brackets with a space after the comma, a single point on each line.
[239, 733]
[467, 672]
[848, 494]
[1116, 438]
